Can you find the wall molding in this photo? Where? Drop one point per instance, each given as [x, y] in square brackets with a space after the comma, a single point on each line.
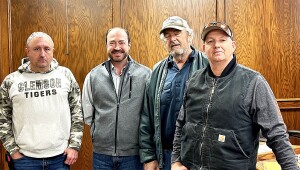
[289, 103]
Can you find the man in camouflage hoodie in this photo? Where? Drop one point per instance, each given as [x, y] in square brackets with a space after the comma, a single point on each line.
[41, 122]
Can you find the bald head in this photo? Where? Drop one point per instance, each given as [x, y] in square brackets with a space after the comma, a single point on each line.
[117, 29]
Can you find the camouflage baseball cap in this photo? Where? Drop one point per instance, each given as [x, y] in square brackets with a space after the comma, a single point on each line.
[174, 22]
[216, 26]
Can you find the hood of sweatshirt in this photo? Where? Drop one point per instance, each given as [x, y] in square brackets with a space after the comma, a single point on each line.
[26, 63]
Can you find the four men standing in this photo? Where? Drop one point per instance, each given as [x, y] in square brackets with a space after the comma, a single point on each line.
[132, 112]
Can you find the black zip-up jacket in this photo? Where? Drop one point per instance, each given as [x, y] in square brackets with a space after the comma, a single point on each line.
[218, 125]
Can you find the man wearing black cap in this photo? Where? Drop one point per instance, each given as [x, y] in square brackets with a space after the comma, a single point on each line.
[164, 93]
[224, 108]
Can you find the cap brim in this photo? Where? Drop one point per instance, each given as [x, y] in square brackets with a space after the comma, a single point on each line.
[171, 26]
[207, 30]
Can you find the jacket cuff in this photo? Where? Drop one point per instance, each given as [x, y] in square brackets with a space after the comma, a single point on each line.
[13, 150]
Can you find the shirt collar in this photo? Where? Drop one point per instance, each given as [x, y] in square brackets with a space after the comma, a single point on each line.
[113, 68]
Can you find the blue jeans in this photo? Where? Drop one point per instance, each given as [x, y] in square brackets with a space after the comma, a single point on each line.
[52, 163]
[167, 159]
[106, 162]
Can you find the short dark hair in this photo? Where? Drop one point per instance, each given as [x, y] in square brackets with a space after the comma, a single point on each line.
[126, 31]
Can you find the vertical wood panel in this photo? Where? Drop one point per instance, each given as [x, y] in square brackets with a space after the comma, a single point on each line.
[4, 60]
[221, 10]
[117, 13]
[46, 16]
[88, 23]
[292, 120]
[267, 36]
[4, 42]
[144, 19]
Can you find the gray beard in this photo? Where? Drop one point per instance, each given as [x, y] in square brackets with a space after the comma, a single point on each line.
[178, 53]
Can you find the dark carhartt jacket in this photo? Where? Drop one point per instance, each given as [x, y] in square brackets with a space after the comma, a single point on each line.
[218, 125]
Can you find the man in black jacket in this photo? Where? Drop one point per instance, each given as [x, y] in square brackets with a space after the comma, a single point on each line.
[224, 108]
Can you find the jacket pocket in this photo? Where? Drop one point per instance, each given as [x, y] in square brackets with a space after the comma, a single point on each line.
[226, 149]
[190, 144]
[41, 137]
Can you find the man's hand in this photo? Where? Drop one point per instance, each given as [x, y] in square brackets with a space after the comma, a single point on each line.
[178, 166]
[72, 156]
[153, 165]
[16, 155]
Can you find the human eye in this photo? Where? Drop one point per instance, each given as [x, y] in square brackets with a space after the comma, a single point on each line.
[209, 41]
[167, 36]
[122, 42]
[177, 33]
[112, 43]
[47, 49]
[36, 49]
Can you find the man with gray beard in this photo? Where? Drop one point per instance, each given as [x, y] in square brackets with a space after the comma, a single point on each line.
[164, 93]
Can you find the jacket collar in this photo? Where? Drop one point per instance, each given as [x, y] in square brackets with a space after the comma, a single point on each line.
[108, 64]
[228, 69]
[26, 63]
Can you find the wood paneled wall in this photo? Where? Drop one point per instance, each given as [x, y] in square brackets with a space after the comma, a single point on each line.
[268, 41]
[78, 30]
[266, 32]
[4, 41]
[4, 60]
[144, 19]
[267, 36]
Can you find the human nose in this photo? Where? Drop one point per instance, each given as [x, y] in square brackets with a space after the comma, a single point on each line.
[173, 37]
[42, 52]
[217, 44]
[117, 46]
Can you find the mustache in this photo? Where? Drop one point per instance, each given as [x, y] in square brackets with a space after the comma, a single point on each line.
[118, 51]
[174, 44]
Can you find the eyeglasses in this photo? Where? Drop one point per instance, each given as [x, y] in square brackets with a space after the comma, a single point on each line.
[216, 25]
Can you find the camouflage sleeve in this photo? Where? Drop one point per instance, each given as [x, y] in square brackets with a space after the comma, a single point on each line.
[6, 133]
[77, 124]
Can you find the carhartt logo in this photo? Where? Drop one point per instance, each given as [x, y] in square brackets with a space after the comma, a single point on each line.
[221, 138]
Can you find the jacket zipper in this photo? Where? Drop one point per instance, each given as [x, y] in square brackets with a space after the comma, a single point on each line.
[118, 107]
[116, 126]
[130, 85]
[206, 119]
